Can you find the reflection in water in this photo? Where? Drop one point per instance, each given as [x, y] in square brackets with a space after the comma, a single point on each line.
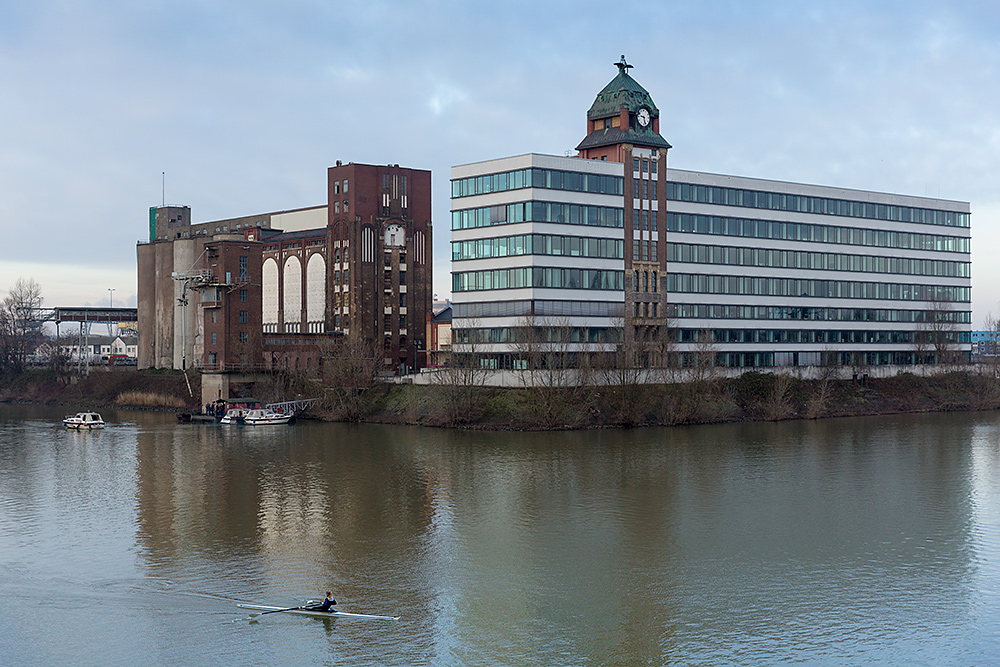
[845, 541]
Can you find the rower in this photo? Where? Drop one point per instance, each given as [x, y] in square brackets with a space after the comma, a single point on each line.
[326, 605]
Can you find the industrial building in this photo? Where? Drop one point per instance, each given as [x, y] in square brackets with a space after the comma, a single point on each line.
[278, 290]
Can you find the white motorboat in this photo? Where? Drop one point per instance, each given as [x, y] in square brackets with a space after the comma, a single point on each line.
[84, 421]
[304, 611]
[233, 416]
[261, 417]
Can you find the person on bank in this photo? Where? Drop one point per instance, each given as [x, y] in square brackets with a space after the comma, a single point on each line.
[326, 605]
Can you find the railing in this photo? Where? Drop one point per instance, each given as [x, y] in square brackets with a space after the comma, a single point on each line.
[292, 406]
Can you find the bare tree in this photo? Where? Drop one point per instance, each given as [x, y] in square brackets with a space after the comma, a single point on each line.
[990, 348]
[944, 333]
[703, 360]
[462, 382]
[18, 330]
[829, 370]
[936, 337]
[554, 380]
[350, 375]
[779, 404]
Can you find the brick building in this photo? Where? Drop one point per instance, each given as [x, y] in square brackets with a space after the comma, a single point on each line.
[272, 290]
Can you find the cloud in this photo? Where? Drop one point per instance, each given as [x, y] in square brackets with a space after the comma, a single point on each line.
[444, 96]
[245, 104]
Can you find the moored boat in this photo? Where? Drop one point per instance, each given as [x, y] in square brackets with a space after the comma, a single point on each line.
[84, 421]
[233, 416]
[262, 417]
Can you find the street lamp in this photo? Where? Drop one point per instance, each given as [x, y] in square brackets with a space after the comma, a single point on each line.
[111, 304]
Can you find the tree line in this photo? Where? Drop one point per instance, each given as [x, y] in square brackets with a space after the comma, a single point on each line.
[20, 333]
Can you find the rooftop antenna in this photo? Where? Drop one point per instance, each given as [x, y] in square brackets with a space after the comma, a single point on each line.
[164, 189]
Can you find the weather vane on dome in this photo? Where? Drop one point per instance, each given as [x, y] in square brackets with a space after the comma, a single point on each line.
[623, 66]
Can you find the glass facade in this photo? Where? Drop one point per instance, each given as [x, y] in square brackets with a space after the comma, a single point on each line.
[819, 261]
[538, 244]
[538, 211]
[538, 334]
[804, 287]
[537, 276]
[536, 177]
[720, 311]
[811, 336]
[778, 201]
[878, 314]
[541, 307]
[797, 231]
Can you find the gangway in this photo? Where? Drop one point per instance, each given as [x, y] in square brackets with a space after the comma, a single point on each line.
[291, 406]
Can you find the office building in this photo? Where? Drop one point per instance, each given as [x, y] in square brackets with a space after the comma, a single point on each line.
[612, 247]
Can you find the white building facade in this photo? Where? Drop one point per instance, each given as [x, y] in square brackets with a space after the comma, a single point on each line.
[784, 274]
[537, 241]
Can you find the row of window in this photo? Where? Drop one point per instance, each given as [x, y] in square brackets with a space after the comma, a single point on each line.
[536, 177]
[538, 276]
[707, 311]
[718, 311]
[705, 194]
[803, 287]
[602, 216]
[797, 231]
[531, 335]
[748, 360]
[814, 336]
[538, 244]
[526, 335]
[242, 336]
[641, 220]
[564, 278]
[775, 201]
[538, 211]
[822, 261]
[648, 166]
[554, 308]
[644, 251]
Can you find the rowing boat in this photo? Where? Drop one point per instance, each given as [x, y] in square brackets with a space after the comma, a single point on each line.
[315, 613]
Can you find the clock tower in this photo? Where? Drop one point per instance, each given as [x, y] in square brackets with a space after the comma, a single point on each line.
[623, 125]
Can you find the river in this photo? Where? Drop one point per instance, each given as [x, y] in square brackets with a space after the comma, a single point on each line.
[847, 542]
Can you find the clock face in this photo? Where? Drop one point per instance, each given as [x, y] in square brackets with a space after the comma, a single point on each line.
[395, 236]
[643, 117]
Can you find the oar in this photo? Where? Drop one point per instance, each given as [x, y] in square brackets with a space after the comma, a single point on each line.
[275, 611]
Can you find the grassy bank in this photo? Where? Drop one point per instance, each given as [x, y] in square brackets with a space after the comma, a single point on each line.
[102, 388]
[751, 397]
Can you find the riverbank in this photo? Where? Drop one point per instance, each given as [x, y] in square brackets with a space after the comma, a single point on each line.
[101, 388]
[752, 396]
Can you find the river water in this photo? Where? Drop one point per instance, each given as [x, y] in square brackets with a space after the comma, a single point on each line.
[846, 542]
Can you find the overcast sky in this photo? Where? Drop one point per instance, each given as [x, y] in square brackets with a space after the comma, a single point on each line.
[245, 104]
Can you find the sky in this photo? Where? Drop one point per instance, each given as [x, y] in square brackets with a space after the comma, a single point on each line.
[236, 108]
